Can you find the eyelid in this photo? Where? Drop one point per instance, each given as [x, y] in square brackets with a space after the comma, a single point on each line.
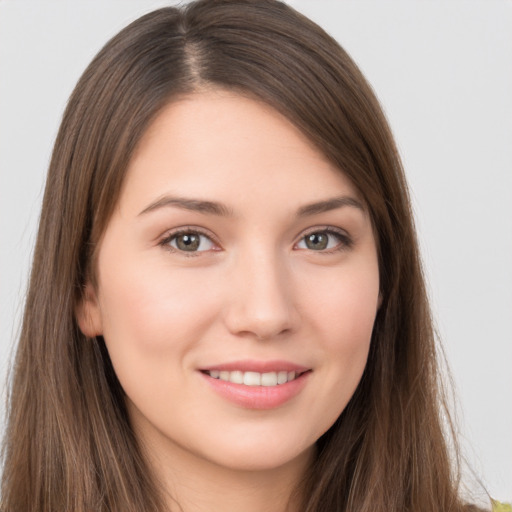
[183, 230]
[346, 241]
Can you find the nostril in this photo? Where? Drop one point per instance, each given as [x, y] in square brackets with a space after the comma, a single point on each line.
[261, 302]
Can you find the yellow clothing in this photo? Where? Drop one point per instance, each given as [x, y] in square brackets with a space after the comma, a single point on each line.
[501, 507]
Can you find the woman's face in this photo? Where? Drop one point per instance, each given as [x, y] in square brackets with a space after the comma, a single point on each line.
[237, 286]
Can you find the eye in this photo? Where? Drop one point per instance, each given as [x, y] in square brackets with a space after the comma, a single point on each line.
[189, 241]
[324, 240]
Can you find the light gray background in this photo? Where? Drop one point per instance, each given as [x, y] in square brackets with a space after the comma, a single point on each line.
[443, 71]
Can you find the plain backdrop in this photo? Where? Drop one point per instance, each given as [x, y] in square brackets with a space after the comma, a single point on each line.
[443, 71]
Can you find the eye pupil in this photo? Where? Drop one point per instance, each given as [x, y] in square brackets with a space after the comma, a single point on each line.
[317, 241]
[188, 242]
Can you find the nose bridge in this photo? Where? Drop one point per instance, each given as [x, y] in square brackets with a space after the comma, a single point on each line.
[261, 299]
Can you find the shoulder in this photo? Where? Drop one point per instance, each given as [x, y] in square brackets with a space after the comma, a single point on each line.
[501, 507]
[497, 506]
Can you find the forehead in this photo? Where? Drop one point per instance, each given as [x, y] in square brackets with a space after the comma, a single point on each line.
[231, 147]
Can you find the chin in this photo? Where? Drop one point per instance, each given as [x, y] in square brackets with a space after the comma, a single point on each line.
[260, 451]
[264, 459]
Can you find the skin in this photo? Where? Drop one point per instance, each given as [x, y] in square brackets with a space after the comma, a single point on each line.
[254, 290]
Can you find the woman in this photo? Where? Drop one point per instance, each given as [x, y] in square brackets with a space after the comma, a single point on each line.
[226, 308]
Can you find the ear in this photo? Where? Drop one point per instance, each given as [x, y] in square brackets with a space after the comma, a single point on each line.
[88, 313]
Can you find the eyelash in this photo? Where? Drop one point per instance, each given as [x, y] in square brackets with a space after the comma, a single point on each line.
[345, 241]
[165, 243]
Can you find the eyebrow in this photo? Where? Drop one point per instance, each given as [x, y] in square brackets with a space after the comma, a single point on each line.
[195, 205]
[328, 205]
[215, 208]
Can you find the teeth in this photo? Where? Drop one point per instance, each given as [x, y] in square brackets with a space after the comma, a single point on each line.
[254, 378]
[282, 377]
[270, 379]
[236, 377]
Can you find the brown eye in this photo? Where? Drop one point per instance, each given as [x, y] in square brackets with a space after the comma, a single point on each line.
[190, 242]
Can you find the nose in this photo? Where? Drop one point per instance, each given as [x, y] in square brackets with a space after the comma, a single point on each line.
[261, 301]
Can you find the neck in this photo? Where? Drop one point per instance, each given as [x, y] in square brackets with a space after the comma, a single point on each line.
[191, 484]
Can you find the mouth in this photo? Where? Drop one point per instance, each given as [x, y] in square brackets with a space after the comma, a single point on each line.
[251, 378]
[257, 385]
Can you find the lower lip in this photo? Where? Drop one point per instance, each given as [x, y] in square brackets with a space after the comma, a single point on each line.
[258, 397]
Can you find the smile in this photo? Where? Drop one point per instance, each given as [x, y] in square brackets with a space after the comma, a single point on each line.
[254, 378]
[257, 385]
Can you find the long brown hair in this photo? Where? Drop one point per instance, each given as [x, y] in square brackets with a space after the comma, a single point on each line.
[69, 445]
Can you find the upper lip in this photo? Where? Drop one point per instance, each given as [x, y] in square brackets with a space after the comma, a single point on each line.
[257, 366]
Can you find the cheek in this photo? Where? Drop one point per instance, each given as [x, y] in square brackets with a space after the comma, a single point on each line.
[343, 303]
[342, 310]
[352, 312]
[152, 314]
[347, 317]
[154, 323]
